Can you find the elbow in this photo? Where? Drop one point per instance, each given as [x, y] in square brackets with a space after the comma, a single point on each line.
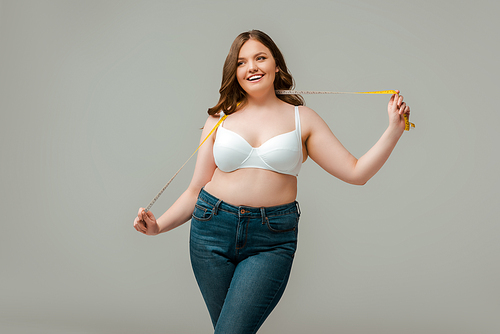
[360, 183]
[356, 182]
[358, 177]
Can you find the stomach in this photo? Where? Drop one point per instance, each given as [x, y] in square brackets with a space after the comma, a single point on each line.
[253, 187]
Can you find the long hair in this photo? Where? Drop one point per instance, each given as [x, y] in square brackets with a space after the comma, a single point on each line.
[232, 96]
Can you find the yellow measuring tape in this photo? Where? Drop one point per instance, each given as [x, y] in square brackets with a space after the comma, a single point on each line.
[278, 92]
[408, 124]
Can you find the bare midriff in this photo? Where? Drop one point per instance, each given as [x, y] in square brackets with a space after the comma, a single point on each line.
[253, 187]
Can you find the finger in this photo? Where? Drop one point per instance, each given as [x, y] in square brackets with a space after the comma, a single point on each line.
[149, 215]
[138, 225]
[141, 227]
[144, 214]
[139, 214]
[402, 108]
[392, 101]
[400, 100]
[145, 218]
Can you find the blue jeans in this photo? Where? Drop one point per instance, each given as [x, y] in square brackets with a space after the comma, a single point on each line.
[241, 258]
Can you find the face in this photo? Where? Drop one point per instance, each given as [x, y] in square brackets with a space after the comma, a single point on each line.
[256, 67]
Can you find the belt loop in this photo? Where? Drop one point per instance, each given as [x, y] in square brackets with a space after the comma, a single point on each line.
[298, 207]
[216, 207]
[263, 215]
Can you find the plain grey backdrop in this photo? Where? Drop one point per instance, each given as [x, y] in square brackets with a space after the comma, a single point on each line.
[102, 101]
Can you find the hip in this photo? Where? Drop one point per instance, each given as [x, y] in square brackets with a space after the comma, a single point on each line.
[232, 228]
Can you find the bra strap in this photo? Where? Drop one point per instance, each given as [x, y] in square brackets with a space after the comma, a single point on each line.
[297, 123]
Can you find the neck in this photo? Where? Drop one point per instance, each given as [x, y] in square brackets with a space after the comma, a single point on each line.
[264, 99]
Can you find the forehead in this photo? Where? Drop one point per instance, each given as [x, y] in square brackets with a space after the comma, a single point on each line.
[252, 47]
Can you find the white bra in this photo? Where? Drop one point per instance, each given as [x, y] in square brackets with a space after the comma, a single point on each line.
[281, 154]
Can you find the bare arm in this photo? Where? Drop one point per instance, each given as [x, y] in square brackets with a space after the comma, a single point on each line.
[327, 151]
[180, 212]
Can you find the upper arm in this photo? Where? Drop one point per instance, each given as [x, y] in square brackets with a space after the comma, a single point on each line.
[325, 149]
[205, 163]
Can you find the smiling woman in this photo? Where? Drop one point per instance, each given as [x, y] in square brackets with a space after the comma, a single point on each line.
[256, 67]
[241, 199]
[231, 92]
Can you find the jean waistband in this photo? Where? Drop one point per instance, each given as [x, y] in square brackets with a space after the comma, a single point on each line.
[278, 210]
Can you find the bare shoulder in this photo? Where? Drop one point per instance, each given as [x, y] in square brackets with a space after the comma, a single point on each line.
[211, 121]
[306, 112]
[310, 120]
[309, 114]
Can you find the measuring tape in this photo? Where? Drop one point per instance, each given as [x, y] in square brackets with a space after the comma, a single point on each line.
[278, 92]
[165, 187]
[291, 92]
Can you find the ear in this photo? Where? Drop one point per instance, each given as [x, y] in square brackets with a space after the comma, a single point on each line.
[277, 69]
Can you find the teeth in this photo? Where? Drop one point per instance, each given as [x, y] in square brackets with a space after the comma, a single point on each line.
[255, 77]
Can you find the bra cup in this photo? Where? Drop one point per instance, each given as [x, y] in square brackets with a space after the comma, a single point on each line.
[225, 164]
[230, 151]
[280, 160]
[279, 154]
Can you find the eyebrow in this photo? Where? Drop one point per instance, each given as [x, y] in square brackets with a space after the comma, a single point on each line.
[257, 54]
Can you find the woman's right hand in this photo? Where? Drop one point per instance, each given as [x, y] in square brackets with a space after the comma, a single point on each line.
[145, 222]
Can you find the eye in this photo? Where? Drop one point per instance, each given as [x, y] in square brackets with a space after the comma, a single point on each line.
[239, 63]
[261, 58]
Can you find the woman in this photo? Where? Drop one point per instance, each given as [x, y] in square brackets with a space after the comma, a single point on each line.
[241, 200]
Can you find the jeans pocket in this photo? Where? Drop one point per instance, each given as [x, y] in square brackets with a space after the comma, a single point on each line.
[284, 223]
[203, 211]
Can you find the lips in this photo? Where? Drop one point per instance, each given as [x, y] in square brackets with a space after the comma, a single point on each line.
[255, 77]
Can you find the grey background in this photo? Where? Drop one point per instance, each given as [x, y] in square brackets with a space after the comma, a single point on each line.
[102, 101]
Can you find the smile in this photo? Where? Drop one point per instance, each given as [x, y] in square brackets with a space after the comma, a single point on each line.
[255, 77]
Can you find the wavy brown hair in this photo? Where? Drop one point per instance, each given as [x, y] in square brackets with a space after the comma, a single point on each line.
[231, 92]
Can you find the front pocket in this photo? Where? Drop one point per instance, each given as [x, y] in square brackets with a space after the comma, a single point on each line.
[202, 213]
[282, 223]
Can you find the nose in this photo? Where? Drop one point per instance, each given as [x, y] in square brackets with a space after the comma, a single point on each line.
[252, 66]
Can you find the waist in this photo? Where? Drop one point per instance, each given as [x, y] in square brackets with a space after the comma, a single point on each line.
[253, 187]
[242, 210]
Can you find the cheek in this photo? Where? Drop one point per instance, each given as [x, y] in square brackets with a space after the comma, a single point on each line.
[240, 75]
[272, 75]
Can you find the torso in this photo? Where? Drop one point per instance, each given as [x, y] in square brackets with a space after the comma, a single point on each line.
[251, 186]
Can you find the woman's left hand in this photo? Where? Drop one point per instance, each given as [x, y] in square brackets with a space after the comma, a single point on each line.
[397, 109]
